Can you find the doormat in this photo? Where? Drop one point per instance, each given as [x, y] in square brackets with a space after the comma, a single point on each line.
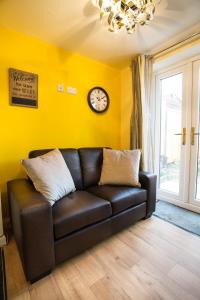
[183, 218]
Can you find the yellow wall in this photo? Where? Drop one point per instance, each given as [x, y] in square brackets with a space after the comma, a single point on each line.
[61, 120]
[126, 106]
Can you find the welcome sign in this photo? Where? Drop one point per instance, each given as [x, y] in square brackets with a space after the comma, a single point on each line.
[23, 88]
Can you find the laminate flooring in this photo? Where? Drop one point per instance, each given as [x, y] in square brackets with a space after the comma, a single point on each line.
[150, 260]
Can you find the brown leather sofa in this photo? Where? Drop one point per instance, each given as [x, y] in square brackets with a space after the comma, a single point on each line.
[46, 236]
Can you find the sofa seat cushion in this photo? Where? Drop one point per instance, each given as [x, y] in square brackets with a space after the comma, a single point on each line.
[78, 210]
[120, 197]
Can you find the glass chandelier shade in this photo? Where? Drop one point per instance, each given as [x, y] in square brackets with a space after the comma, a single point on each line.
[126, 13]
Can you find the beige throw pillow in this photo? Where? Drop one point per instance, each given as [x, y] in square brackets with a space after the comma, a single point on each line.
[50, 175]
[120, 167]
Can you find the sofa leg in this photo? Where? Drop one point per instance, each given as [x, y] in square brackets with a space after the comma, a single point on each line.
[40, 277]
[148, 216]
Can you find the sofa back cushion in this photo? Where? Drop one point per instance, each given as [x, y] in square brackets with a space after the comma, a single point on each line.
[71, 157]
[91, 164]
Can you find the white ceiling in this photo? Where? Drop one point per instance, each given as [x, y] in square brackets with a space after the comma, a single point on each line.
[75, 26]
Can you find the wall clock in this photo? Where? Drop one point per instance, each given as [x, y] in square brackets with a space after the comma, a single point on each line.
[98, 99]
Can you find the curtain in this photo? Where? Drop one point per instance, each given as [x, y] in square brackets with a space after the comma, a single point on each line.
[143, 111]
[136, 117]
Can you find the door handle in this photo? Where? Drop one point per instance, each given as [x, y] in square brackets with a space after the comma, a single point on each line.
[193, 133]
[183, 136]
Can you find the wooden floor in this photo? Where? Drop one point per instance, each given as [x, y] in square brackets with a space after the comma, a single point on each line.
[151, 260]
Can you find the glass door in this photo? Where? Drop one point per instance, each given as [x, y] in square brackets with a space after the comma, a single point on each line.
[173, 130]
[194, 197]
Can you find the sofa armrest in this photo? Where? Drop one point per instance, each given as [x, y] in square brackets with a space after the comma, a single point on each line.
[148, 182]
[32, 223]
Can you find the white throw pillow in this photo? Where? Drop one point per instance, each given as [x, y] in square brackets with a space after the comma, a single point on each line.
[120, 167]
[50, 175]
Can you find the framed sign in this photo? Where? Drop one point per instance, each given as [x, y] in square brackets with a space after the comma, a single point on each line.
[23, 88]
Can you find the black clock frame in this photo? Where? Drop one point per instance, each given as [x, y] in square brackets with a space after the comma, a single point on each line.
[90, 104]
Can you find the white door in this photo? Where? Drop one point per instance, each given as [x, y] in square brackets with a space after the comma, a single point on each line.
[194, 196]
[178, 135]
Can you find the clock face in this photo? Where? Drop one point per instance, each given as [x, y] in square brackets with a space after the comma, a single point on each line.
[98, 100]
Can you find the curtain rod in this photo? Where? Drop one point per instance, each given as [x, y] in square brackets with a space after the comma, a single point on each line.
[194, 37]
